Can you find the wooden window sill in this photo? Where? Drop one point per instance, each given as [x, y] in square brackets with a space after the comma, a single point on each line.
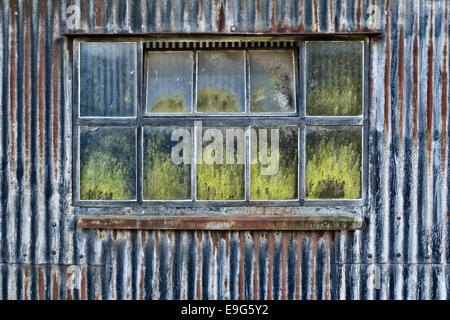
[336, 220]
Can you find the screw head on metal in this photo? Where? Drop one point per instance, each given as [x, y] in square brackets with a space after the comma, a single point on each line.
[54, 224]
[233, 28]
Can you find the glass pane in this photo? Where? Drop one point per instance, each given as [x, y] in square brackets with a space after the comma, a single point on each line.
[107, 163]
[221, 164]
[169, 82]
[333, 163]
[334, 78]
[167, 163]
[221, 81]
[272, 81]
[274, 163]
[107, 79]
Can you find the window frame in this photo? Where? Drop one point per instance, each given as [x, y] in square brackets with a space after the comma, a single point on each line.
[142, 119]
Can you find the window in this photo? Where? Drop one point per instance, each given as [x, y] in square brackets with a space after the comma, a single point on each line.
[224, 123]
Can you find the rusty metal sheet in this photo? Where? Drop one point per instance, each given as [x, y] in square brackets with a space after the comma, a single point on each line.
[279, 223]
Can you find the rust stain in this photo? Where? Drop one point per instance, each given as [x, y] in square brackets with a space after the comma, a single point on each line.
[358, 16]
[98, 14]
[430, 89]
[220, 21]
[401, 79]
[12, 83]
[201, 13]
[27, 282]
[258, 14]
[444, 97]
[314, 239]
[99, 284]
[343, 14]
[84, 16]
[129, 286]
[69, 294]
[70, 50]
[55, 286]
[83, 284]
[316, 17]
[327, 275]
[41, 284]
[285, 244]
[387, 70]
[226, 236]
[241, 265]
[272, 12]
[301, 17]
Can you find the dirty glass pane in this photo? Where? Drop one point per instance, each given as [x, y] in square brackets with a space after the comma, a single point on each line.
[107, 163]
[333, 162]
[169, 82]
[221, 81]
[334, 78]
[221, 164]
[107, 79]
[274, 163]
[272, 86]
[167, 163]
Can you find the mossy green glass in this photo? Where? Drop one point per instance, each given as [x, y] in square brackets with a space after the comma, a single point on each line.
[164, 179]
[334, 78]
[333, 162]
[282, 183]
[107, 163]
[223, 180]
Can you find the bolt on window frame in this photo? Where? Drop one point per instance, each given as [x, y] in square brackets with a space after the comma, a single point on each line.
[143, 119]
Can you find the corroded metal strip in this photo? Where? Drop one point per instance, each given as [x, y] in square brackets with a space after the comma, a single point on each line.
[221, 223]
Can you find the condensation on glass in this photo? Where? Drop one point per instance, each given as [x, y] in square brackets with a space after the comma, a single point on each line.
[107, 163]
[334, 78]
[107, 79]
[221, 81]
[333, 162]
[169, 81]
[272, 85]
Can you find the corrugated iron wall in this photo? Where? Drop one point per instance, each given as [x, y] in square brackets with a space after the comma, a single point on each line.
[403, 252]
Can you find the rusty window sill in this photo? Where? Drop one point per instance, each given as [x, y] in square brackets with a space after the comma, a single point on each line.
[281, 223]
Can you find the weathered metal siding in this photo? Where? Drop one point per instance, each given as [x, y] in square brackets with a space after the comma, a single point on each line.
[43, 255]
